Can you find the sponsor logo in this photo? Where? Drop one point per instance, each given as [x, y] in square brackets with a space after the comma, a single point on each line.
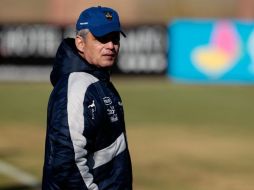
[107, 101]
[111, 110]
[112, 114]
[221, 53]
[114, 118]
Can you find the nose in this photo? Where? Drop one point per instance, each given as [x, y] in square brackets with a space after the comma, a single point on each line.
[110, 45]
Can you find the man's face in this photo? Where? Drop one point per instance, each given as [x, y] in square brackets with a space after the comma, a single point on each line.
[101, 51]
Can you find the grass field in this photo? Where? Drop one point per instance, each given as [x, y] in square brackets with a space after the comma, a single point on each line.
[181, 137]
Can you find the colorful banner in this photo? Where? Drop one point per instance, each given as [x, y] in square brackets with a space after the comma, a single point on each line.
[219, 51]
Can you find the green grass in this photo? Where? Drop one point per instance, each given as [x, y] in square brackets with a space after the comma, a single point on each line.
[24, 103]
[181, 137]
[160, 102]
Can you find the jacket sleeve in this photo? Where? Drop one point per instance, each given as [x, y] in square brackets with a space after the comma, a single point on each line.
[77, 90]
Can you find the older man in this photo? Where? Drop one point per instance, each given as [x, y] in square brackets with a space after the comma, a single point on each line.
[86, 146]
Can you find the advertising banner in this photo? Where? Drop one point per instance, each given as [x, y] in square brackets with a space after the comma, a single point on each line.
[142, 52]
[30, 44]
[211, 51]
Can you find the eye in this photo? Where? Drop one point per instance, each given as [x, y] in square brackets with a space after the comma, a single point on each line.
[116, 39]
[113, 37]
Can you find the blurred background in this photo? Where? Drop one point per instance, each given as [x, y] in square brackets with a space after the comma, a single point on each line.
[185, 73]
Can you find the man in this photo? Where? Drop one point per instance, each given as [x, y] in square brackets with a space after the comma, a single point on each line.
[86, 146]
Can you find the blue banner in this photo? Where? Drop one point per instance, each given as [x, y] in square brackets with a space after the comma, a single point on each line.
[210, 51]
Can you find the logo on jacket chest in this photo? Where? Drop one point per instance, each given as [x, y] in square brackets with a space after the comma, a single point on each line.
[112, 114]
[107, 101]
[111, 111]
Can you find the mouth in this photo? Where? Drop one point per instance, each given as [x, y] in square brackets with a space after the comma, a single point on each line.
[110, 56]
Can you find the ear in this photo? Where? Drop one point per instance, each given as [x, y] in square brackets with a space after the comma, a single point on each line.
[79, 42]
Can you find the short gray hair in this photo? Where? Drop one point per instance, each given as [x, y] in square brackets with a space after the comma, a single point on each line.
[82, 33]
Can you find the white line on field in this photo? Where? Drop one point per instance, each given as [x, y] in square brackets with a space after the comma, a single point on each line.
[17, 174]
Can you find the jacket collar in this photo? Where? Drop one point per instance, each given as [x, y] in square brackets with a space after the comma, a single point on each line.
[68, 60]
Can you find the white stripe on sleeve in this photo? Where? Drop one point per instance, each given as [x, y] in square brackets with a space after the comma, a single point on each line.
[77, 87]
[105, 155]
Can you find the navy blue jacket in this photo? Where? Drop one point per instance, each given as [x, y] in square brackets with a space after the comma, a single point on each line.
[86, 146]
